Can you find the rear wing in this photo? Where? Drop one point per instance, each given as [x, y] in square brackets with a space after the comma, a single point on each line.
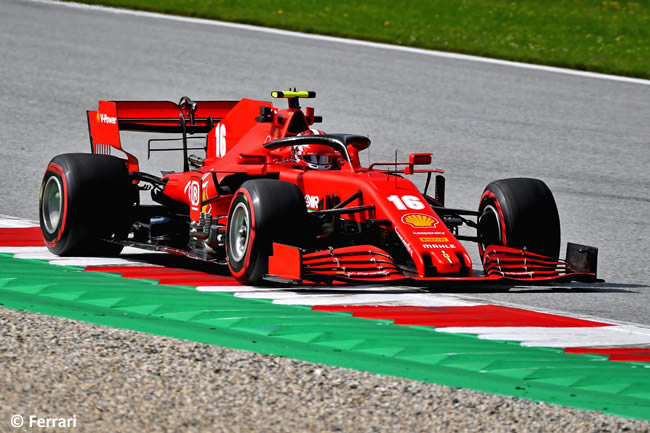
[186, 117]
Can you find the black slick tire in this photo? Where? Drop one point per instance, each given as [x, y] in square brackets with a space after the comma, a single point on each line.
[263, 211]
[85, 199]
[519, 213]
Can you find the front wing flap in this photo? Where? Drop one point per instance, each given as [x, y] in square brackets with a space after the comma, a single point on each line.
[367, 263]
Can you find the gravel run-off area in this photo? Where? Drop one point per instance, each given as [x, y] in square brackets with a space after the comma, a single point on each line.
[114, 380]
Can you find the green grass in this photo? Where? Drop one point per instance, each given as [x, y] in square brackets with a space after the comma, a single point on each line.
[603, 36]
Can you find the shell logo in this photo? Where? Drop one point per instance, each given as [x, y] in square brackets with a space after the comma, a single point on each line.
[418, 220]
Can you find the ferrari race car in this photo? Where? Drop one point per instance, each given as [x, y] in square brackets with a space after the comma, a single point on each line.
[275, 200]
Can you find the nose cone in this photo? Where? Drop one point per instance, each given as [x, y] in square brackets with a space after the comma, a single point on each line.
[445, 261]
[431, 240]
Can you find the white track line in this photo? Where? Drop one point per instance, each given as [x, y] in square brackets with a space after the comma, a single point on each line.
[234, 289]
[134, 251]
[24, 251]
[33, 253]
[560, 337]
[9, 222]
[355, 42]
[353, 295]
[92, 261]
[383, 299]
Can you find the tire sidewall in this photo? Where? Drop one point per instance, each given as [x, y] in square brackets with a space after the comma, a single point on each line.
[54, 240]
[491, 204]
[239, 268]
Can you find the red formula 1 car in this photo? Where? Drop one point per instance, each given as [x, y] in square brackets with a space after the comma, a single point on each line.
[276, 200]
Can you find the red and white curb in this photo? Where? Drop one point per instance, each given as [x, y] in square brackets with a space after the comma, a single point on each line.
[445, 312]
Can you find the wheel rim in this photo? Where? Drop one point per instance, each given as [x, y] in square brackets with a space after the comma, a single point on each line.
[489, 227]
[239, 232]
[52, 204]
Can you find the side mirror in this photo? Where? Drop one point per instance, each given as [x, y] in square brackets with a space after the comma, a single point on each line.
[419, 159]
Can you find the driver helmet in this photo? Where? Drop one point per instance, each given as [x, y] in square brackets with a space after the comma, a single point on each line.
[317, 156]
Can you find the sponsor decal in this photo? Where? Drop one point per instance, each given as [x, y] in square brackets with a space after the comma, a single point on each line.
[434, 239]
[430, 233]
[193, 191]
[419, 220]
[311, 201]
[437, 246]
[105, 118]
[364, 273]
[446, 256]
[205, 179]
[406, 244]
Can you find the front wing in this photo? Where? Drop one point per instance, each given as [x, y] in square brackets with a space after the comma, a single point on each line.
[367, 263]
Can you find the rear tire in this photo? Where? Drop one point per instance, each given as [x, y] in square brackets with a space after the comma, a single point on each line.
[85, 199]
[519, 213]
[263, 211]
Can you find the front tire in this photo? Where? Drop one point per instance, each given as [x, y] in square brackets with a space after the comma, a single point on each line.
[84, 200]
[263, 211]
[519, 213]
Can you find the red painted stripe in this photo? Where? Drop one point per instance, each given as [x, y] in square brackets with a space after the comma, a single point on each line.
[610, 350]
[200, 281]
[167, 273]
[21, 237]
[168, 276]
[635, 354]
[633, 358]
[482, 315]
[122, 269]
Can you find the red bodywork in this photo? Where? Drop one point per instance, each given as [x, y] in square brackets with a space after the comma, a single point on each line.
[236, 135]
